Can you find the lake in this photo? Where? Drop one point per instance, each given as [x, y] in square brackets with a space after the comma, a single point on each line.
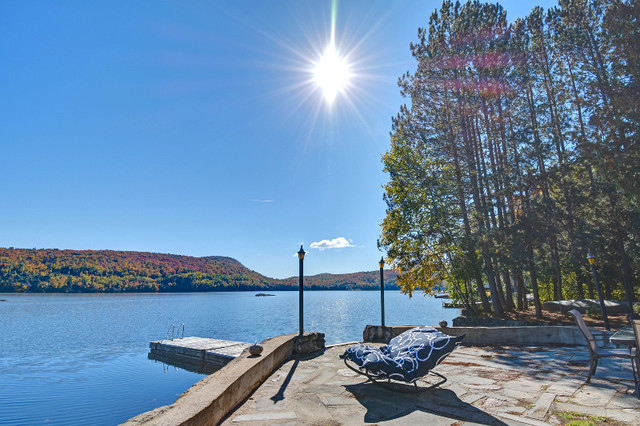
[82, 358]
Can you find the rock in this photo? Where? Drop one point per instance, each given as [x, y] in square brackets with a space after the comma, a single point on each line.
[255, 349]
[308, 343]
[584, 305]
[377, 333]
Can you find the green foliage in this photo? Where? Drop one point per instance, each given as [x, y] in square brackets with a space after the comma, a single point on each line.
[518, 152]
[25, 270]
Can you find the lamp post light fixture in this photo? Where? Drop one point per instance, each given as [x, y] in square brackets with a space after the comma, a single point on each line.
[382, 290]
[592, 261]
[301, 253]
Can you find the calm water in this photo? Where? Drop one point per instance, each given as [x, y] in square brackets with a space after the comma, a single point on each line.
[82, 358]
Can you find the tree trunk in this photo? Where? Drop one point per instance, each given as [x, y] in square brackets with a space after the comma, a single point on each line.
[467, 134]
[520, 290]
[470, 252]
[508, 292]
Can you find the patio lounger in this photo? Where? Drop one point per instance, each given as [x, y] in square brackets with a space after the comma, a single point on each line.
[407, 358]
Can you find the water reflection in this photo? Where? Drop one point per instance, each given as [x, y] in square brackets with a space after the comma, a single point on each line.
[198, 367]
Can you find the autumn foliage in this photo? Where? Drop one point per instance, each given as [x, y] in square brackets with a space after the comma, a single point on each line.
[52, 270]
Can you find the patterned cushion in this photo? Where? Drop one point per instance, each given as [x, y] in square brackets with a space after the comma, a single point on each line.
[408, 356]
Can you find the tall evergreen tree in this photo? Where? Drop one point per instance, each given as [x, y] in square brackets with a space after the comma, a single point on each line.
[518, 153]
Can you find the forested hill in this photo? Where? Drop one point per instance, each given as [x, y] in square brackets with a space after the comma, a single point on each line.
[354, 281]
[52, 270]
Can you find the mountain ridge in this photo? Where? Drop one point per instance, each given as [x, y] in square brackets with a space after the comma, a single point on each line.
[110, 271]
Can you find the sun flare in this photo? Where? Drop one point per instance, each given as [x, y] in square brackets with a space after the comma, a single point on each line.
[331, 73]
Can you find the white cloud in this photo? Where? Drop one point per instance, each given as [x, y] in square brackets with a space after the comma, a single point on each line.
[339, 242]
[261, 201]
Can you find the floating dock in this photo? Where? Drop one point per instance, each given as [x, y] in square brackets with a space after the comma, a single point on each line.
[198, 354]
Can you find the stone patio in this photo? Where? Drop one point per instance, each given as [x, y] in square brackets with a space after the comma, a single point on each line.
[497, 386]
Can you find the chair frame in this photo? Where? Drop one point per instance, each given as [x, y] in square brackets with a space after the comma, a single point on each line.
[636, 371]
[595, 352]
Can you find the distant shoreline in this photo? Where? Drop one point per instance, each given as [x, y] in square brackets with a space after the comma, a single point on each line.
[3, 292]
[106, 271]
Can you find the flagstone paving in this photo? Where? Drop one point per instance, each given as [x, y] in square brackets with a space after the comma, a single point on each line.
[496, 386]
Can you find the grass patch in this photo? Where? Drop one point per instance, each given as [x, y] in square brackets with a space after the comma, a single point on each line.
[571, 418]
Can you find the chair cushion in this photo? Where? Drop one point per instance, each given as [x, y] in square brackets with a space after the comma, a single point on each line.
[359, 352]
[408, 356]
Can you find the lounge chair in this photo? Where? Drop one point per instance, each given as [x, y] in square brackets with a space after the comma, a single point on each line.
[407, 358]
[596, 352]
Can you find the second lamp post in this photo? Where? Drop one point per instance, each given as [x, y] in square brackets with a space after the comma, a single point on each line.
[301, 261]
[592, 261]
[382, 290]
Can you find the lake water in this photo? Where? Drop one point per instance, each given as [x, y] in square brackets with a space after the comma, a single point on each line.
[82, 358]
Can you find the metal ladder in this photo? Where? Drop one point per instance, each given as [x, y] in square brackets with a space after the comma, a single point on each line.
[175, 334]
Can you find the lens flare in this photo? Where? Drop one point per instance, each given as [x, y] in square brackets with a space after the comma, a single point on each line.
[331, 73]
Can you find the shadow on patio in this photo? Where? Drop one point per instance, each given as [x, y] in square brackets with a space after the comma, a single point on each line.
[383, 405]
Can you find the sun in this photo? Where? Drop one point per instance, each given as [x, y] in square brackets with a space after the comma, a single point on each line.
[331, 73]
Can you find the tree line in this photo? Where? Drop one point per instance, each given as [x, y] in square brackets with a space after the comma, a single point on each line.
[518, 154]
[65, 271]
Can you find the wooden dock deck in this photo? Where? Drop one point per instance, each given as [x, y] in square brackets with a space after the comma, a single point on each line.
[198, 354]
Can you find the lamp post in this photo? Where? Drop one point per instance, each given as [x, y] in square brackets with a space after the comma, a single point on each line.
[301, 289]
[592, 261]
[382, 290]
[627, 290]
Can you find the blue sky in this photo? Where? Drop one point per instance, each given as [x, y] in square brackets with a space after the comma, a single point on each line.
[195, 127]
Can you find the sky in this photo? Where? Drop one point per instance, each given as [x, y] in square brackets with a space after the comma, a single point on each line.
[204, 128]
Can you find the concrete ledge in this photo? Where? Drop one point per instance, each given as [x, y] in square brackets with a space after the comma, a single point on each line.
[539, 335]
[212, 398]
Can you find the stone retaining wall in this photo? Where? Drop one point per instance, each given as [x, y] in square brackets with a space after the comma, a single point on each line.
[497, 336]
[212, 398]
[473, 321]
[518, 336]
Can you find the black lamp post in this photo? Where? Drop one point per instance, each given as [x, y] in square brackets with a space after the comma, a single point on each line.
[301, 261]
[627, 290]
[382, 290]
[592, 261]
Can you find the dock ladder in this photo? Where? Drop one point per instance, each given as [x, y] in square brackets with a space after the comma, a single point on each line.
[175, 334]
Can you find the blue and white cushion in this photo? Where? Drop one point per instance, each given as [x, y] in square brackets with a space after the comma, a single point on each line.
[408, 356]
